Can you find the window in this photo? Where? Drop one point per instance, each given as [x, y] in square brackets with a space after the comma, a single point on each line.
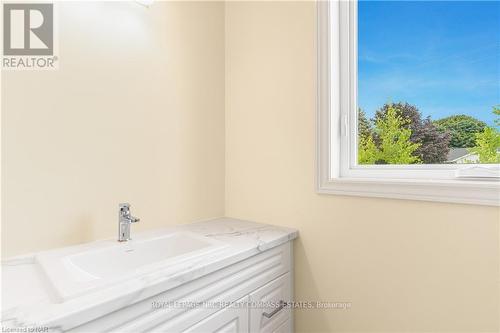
[408, 100]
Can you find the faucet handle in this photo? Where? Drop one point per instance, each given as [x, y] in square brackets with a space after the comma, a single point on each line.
[124, 206]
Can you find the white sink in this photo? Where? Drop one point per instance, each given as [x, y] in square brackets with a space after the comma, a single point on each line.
[132, 256]
[78, 269]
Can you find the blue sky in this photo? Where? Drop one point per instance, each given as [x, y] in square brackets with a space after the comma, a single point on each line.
[442, 56]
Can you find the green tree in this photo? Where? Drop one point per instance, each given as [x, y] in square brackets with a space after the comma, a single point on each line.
[368, 153]
[364, 125]
[462, 128]
[496, 112]
[488, 142]
[434, 143]
[487, 146]
[394, 145]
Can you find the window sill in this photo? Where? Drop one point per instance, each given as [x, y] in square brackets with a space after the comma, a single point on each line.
[452, 191]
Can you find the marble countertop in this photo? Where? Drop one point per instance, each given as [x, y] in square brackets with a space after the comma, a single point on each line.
[29, 301]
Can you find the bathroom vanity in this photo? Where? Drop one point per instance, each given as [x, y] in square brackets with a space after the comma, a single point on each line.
[221, 275]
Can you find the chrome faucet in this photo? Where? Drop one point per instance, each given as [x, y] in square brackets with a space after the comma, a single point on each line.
[124, 222]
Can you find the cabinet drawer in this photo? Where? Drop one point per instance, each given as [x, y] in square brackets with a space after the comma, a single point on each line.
[269, 311]
[286, 327]
[228, 320]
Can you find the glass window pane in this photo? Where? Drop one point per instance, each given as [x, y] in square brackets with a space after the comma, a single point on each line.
[428, 82]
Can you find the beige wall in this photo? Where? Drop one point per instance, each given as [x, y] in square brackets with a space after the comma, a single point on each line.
[404, 265]
[135, 113]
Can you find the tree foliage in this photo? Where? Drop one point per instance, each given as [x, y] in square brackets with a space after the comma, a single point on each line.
[462, 129]
[399, 135]
[368, 153]
[488, 142]
[364, 125]
[433, 143]
[496, 112]
[394, 145]
[487, 146]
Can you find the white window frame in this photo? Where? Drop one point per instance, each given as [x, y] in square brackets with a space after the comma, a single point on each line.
[338, 172]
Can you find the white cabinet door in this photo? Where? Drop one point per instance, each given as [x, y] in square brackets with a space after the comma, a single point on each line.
[268, 311]
[228, 320]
